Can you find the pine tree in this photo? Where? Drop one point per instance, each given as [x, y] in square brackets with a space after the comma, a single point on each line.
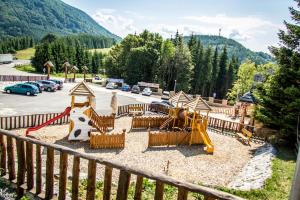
[198, 64]
[205, 73]
[214, 72]
[279, 105]
[230, 74]
[221, 79]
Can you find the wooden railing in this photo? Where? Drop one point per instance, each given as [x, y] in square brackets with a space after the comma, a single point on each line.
[147, 122]
[25, 121]
[102, 123]
[13, 78]
[124, 110]
[33, 172]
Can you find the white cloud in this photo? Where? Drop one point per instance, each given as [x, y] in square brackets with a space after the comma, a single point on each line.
[253, 32]
[114, 22]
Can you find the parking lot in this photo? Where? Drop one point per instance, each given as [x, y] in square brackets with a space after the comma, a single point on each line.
[14, 104]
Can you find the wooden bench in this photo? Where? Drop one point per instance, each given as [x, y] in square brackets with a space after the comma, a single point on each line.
[245, 136]
[136, 110]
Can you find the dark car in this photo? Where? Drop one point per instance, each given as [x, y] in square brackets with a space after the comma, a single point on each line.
[135, 89]
[49, 85]
[22, 88]
[58, 82]
[37, 84]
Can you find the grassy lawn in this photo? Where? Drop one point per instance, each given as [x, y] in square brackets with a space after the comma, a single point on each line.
[104, 50]
[25, 54]
[26, 68]
[279, 185]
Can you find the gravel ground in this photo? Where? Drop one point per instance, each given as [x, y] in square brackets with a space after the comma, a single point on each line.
[189, 163]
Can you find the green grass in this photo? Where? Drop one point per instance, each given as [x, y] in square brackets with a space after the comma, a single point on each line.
[104, 50]
[25, 54]
[279, 185]
[26, 68]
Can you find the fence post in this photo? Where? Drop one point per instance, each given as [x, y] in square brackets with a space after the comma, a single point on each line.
[107, 183]
[123, 185]
[63, 165]
[138, 188]
[75, 177]
[3, 156]
[21, 170]
[49, 173]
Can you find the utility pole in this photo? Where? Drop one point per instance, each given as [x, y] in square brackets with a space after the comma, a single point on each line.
[175, 86]
[220, 32]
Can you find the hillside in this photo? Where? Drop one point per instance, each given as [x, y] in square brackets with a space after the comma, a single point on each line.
[39, 17]
[233, 47]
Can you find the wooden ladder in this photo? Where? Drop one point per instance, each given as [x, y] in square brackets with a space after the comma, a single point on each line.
[165, 123]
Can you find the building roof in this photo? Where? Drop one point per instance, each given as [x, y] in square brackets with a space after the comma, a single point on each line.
[198, 104]
[150, 85]
[180, 97]
[82, 89]
[49, 63]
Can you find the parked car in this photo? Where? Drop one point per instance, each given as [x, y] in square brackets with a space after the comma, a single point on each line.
[135, 89]
[147, 91]
[163, 103]
[111, 85]
[37, 84]
[165, 95]
[58, 82]
[49, 85]
[22, 88]
[97, 77]
[125, 88]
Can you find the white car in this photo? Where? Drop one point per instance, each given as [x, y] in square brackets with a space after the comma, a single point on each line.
[147, 92]
[111, 86]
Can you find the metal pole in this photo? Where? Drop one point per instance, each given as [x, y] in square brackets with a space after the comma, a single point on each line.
[295, 191]
[175, 86]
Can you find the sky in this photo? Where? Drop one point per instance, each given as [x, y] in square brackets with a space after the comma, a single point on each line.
[253, 23]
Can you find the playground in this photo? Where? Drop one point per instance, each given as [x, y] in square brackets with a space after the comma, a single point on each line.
[175, 142]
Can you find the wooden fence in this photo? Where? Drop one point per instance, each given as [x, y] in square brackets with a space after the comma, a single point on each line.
[162, 138]
[25, 121]
[102, 123]
[12, 78]
[147, 122]
[124, 110]
[30, 167]
[98, 140]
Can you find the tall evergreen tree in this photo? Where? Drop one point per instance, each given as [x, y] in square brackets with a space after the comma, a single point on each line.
[279, 105]
[221, 80]
[205, 73]
[214, 72]
[197, 58]
[230, 73]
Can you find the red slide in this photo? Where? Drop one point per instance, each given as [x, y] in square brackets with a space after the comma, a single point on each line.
[66, 112]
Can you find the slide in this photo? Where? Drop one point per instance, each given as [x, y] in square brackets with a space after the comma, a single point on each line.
[206, 139]
[66, 112]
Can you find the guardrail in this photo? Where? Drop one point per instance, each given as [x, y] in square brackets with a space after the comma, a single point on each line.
[32, 169]
[12, 78]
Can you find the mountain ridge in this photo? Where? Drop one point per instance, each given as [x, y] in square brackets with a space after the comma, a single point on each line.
[38, 17]
[233, 48]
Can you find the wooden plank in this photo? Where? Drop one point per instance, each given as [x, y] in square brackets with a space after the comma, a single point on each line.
[107, 183]
[49, 173]
[123, 185]
[75, 177]
[2, 155]
[38, 176]
[63, 166]
[138, 188]
[159, 190]
[91, 182]
[29, 166]
[21, 170]
[182, 194]
[10, 158]
[132, 170]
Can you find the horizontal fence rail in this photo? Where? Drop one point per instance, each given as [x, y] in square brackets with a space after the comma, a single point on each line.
[25, 121]
[13, 78]
[30, 177]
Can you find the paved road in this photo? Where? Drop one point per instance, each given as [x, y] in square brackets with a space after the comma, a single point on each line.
[8, 69]
[13, 104]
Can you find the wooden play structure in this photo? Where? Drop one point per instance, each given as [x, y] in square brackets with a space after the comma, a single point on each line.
[96, 127]
[184, 125]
